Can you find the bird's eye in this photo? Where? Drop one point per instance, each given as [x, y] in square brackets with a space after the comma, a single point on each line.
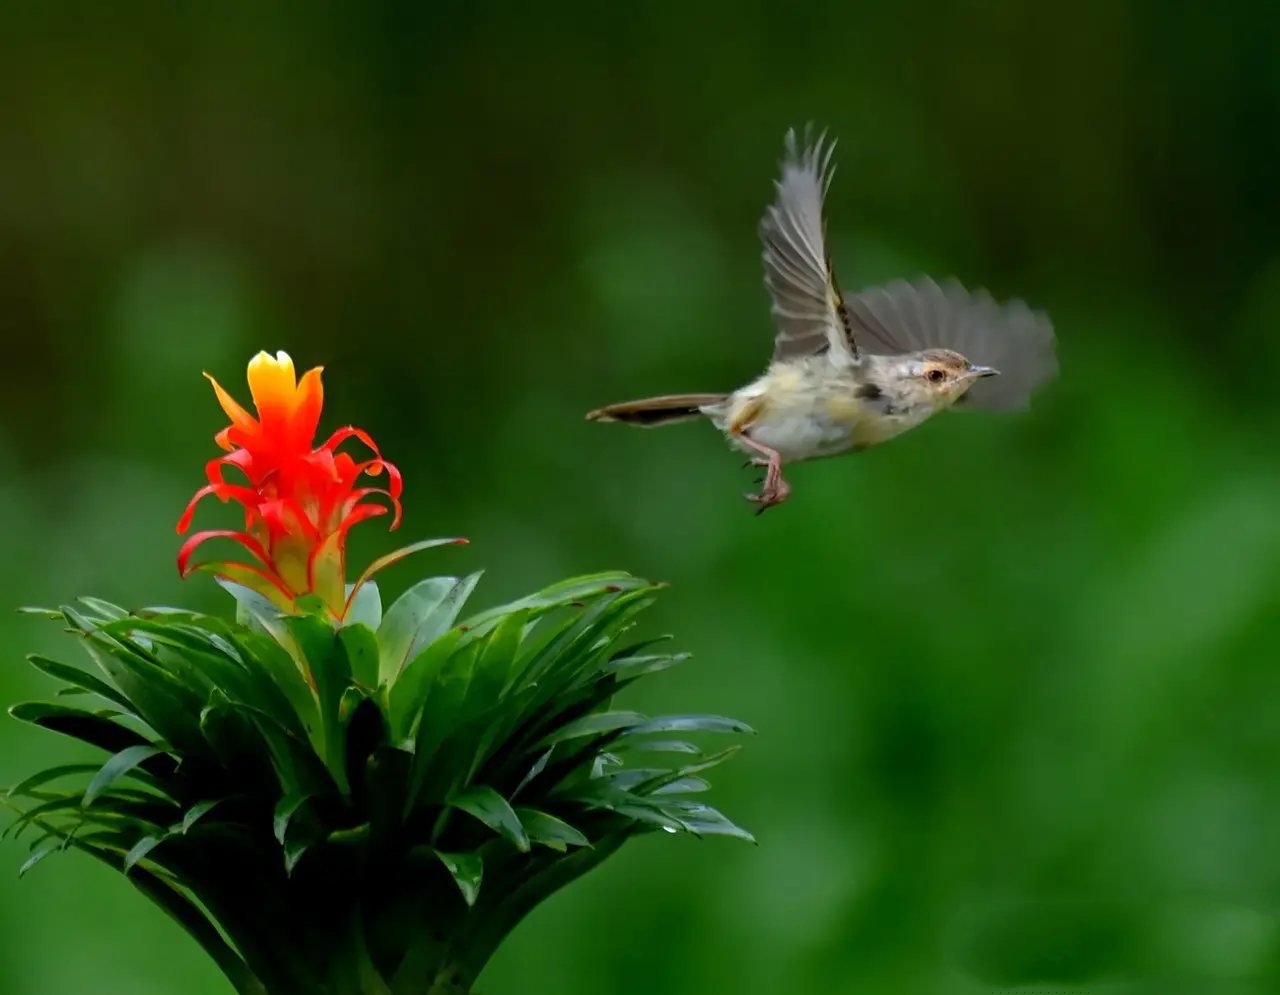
[936, 375]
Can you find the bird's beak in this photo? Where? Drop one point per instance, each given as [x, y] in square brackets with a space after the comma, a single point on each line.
[977, 372]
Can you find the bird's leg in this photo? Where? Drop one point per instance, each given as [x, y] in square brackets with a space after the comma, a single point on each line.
[775, 489]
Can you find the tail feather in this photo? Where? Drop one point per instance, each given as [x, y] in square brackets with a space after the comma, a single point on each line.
[657, 410]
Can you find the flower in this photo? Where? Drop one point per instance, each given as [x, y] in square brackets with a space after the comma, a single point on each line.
[299, 501]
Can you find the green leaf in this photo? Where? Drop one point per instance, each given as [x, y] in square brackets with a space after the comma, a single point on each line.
[140, 850]
[495, 812]
[630, 667]
[255, 610]
[88, 728]
[560, 595]
[160, 698]
[50, 774]
[327, 662]
[197, 812]
[701, 819]
[365, 608]
[35, 858]
[49, 613]
[105, 609]
[635, 744]
[692, 723]
[682, 786]
[280, 667]
[467, 870]
[361, 644]
[594, 725]
[408, 695]
[443, 719]
[117, 767]
[78, 678]
[496, 666]
[286, 809]
[418, 617]
[384, 561]
[550, 831]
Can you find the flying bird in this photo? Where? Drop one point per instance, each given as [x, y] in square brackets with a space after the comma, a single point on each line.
[848, 373]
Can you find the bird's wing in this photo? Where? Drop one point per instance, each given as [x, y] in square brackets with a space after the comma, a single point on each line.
[907, 317]
[807, 308]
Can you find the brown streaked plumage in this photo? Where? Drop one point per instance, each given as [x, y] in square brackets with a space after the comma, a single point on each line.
[853, 372]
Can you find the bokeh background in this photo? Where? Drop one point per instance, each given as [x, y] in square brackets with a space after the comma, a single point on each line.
[1015, 678]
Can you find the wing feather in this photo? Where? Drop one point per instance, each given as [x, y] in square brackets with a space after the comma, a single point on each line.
[908, 317]
[807, 307]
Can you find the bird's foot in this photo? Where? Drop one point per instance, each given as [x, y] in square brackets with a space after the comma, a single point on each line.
[775, 491]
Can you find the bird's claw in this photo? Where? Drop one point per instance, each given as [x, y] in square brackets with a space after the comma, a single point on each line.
[772, 494]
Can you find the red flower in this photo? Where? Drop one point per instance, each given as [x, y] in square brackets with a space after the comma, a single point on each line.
[299, 501]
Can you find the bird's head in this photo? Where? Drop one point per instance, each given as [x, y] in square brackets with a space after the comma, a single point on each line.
[936, 377]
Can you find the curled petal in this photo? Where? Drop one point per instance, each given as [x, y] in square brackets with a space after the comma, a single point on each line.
[245, 540]
[358, 514]
[374, 467]
[184, 522]
[349, 432]
[357, 496]
[240, 459]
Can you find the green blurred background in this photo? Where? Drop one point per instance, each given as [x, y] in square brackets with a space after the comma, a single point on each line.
[1015, 677]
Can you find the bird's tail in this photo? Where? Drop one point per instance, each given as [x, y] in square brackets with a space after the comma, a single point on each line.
[657, 410]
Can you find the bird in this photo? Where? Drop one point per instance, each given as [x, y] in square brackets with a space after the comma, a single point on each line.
[852, 372]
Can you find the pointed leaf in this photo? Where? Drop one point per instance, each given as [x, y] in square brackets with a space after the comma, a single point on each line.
[594, 725]
[361, 644]
[382, 562]
[197, 812]
[104, 609]
[495, 812]
[327, 662]
[638, 666]
[87, 727]
[418, 617]
[140, 850]
[80, 679]
[255, 610]
[35, 858]
[467, 870]
[43, 777]
[409, 694]
[638, 745]
[285, 810]
[364, 607]
[550, 831]
[115, 768]
[692, 723]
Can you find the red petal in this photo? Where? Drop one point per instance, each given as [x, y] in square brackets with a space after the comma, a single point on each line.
[245, 540]
[364, 492]
[305, 418]
[226, 569]
[240, 459]
[239, 417]
[184, 522]
[350, 431]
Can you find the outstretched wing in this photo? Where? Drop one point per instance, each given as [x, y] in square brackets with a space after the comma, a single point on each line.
[907, 317]
[807, 308]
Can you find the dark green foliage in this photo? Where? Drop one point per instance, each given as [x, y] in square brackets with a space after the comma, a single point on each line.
[361, 809]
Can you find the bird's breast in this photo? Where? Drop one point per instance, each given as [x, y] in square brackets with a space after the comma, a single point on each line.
[812, 411]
